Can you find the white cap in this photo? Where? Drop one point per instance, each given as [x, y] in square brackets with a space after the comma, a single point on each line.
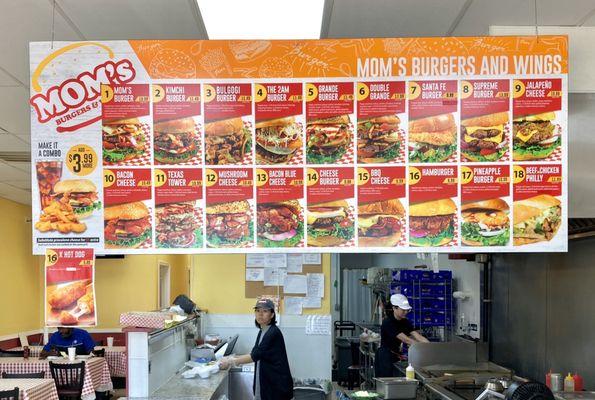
[400, 301]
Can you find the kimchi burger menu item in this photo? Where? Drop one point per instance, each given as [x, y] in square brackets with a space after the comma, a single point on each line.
[127, 226]
[176, 141]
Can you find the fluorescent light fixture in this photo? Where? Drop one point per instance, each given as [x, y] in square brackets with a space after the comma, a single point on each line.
[262, 19]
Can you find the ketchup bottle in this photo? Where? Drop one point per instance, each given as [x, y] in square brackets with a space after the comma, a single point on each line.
[578, 382]
[26, 352]
[548, 379]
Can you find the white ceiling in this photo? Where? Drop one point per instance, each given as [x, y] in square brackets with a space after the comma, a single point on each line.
[22, 21]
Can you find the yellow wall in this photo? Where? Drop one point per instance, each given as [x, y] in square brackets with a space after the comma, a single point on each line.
[218, 283]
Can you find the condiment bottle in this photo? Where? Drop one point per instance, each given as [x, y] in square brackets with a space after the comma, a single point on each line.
[556, 382]
[569, 383]
[578, 382]
[548, 379]
[410, 372]
[26, 352]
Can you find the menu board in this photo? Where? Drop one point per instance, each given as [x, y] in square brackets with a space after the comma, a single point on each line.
[350, 145]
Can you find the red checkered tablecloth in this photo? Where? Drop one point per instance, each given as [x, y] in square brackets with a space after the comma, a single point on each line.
[31, 389]
[145, 319]
[144, 159]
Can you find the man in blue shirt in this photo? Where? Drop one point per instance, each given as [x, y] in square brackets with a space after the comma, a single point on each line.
[68, 337]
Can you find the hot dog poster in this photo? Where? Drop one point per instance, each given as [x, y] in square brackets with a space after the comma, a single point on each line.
[236, 146]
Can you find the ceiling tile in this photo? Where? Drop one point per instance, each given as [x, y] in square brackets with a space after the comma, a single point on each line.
[6, 80]
[11, 173]
[15, 194]
[23, 166]
[14, 109]
[20, 184]
[10, 142]
[590, 21]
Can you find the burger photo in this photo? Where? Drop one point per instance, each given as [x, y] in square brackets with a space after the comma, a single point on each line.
[536, 219]
[379, 223]
[329, 224]
[123, 139]
[81, 194]
[277, 140]
[431, 223]
[482, 137]
[279, 224]
[432, 139]
[229, 224]
[378, 139]
[126, 226]
[485, 223]
[534, 137]
[227, 141]
[177, 225]
[175, 140]
[327, 139]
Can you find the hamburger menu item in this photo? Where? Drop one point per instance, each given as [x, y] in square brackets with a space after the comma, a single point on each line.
[226, 141]
[329, 224]
[482, 138]
[379, 223]
[327, 139]
[485, 223]
[126, 226]
[279, 224]
[175, 140]
[277, 140]
[123, 139]
[536, 219]
[431, 223]
[378, 139]
[432, 139]
[81, 194]
[229, 224]
[535, 137]
[176, 224]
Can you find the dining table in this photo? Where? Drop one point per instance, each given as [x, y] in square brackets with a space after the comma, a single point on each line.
[31, 389]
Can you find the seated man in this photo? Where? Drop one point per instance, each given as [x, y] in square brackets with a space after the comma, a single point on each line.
[68, 337]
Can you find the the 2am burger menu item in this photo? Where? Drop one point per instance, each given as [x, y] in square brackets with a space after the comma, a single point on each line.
[178, 208]
[177, 124]
[485, 199]
[70, 287]
[433, 194]
[380, 121]
[330, 215]
[228, 123]
[329, 123]
[485, 121]
[229, 207]
[279, 129]
[279, 207]
[381, 216]
[432, 121]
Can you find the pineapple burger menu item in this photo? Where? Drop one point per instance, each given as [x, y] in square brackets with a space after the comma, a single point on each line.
[485, 223]
[229, 224]
[379, 223]
[126, 226]
[175, 140]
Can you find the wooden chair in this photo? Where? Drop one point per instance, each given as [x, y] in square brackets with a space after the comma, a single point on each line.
[12, 353]
[9, 394]
[32, 375]
[69, 379]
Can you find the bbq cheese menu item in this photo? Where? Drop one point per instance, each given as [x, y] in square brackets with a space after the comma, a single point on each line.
[329, 123]
[381, 216]
[228, 123]
[280, 207]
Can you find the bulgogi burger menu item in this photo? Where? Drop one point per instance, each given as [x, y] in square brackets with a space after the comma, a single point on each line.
[277, 140]
[229, 224]
[176, 141]
[379, 223]
[178, 225]
[127, 225]
[227, 141]
[123, 140]
[80, 194]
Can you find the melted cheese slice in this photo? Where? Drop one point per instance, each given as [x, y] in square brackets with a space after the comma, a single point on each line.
[495, 139]
[366, 222]
[314, 215]
[525, 137]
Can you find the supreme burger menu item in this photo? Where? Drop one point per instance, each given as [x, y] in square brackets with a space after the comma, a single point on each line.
[537, 130]
[279, 123]
[279, 212]
[329, 129]
[379, 134]
[228, 123]
[432, 210]
[485, 106]
[432, 121]
[126, 127]
[537, 209]
[178, 208]
[230, 216]
[485, 190]
[381, 215]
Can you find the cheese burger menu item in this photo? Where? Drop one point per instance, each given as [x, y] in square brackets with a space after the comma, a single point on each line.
[126, 226]
[280, 224]
[176, 140]
[482, 137]
[80, 194]
[329, 224]
[227, 141]
[432, 139]
[178, 225]
[123, 139]
[379, 223]
[229, 224]
[485, 223]
[536, 219]
[277, 140]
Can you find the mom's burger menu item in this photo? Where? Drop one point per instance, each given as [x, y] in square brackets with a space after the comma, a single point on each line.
[330, 215]
[381, 192]
[228, 123]
[178, 208]
[380, 113]
[126, 124]
[279, 208]
[127, 215]
[432, 121]
[177, 123]
[329, 123]
[537, 119]
[485, 106]
[485, 190]
[229, 208]
[537, 209]
[69, 287]
[279, 123]
[432, 210]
